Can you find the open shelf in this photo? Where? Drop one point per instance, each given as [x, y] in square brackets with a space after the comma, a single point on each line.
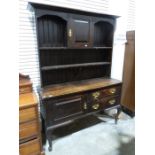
[103, 34]
[74, 65]
[102, 47]
[56, 76]
[74, 56]
[52, 30]
[58, 48]
[52, 48]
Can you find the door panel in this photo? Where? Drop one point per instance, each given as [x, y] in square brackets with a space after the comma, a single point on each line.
[80, 32]
[82, 29]
[63, 109]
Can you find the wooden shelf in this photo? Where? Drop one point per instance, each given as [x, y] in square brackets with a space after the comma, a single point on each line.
[77, 87]
[102, 47]
[74, 65]
[57, 48]
[51, 48]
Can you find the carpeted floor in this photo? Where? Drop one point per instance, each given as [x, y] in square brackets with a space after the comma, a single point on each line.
[91, 136]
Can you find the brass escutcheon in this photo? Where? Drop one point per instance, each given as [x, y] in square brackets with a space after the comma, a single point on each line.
[112, 101]
[112, 90]
[85, 105]
[70, 32]
[96, 106]
[96, 95]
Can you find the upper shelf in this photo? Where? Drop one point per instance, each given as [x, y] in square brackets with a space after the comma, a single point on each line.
[74, 65]
[58, 48]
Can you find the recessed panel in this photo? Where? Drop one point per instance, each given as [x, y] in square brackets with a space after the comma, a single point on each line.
[81, 30]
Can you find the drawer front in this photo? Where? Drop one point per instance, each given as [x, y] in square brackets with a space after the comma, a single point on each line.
[30, 148]
[28, 130]
[104, 98]
[111, 91]
[100, 94]
[110, 101]
[26, 89]
[28, 114]
[65, 108]
[106, 102]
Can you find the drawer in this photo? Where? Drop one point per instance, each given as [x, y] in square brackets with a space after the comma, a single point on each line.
[28, 130]
[32, 147]
[100, 94]
[28, 114]
[104, 103]
[111, 91]
[26, 89]
[110, 101]
[63, 109]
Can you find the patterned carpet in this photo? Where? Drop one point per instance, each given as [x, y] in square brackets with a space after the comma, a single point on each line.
[95, 136]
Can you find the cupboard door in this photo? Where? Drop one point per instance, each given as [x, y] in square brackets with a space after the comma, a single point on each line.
[64, 109]
[80, 33]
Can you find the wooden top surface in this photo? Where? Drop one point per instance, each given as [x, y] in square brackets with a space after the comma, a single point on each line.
[76, 87]
[27, 99]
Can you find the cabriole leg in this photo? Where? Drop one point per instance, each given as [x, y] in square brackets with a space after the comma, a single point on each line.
[49, 138]
[117, 114]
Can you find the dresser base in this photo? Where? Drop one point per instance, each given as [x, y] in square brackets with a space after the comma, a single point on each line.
[62, 104]
[102, 113]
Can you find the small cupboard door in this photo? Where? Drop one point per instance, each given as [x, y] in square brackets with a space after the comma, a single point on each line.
[80, 31]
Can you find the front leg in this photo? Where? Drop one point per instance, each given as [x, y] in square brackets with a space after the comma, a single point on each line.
[49, 138]
[117, 114]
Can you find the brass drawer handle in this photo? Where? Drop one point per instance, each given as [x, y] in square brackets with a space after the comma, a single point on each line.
[112, 90]
[111, 102]
[96, 95]
[96, 106]
[85, 106]
[70, 32]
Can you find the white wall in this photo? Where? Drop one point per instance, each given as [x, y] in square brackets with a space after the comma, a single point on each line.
[28, 55]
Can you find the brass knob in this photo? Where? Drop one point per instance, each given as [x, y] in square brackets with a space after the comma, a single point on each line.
[112, 90]
[70, 32]
[96, 106]
[85, 106]
[111, 102]
[96, 95]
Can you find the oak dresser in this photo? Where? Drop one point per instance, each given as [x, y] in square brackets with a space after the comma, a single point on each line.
[75, 58]
[29, 126]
